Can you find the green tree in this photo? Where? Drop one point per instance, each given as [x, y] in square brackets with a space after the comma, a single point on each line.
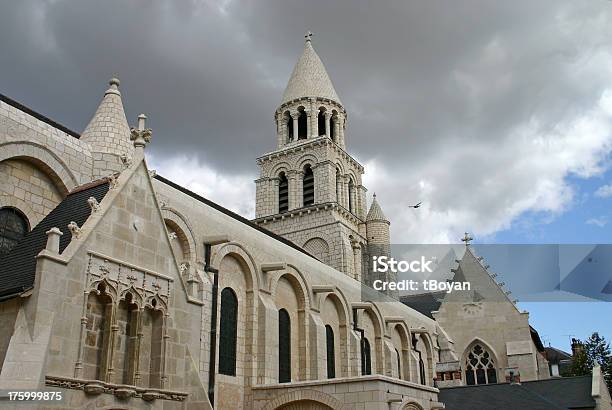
[595, 350]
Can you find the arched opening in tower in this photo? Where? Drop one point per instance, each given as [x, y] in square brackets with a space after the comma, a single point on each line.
[321, 122]
[289, 125]
[332, 125]
[283, 193]
[308, 186]
[302, 125]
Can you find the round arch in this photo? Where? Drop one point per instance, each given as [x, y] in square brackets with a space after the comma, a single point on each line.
[43, 158]
[306, 159]
[239, 252]
[278, 168]
[308, 395]
[23, 207]
[177, 221]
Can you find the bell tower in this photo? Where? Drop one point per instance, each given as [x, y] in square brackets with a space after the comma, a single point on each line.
[310, 189]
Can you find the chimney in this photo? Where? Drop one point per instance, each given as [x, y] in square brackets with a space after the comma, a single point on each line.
[576, 347]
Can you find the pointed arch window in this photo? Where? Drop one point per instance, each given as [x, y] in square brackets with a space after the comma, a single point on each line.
[13, 227]
[480, 366]
[331, 353]
[283, 193]
[308, 186]
[228, 332]
[366, 357]
[284, 347]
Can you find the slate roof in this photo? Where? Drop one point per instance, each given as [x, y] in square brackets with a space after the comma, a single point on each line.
[18, 267]
[424, 303]
[555, 355]
[309, 78]
[551, 394]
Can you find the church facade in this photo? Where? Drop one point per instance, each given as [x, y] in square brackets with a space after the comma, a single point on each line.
[122, 289]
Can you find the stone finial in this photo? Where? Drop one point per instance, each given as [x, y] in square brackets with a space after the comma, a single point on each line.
[467, 239]
[140, 135]
[93, 204]
[74, 229]
[308, 36]
[53, 239]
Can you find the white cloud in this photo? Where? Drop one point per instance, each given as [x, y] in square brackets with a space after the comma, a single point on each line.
[604, 191]
[601, 221]
[483, 188]
[236, 192]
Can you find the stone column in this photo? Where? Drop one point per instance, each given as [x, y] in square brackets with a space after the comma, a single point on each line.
[291, 180]
[337, 129]
[296, 133]
[341, 124]
[345, 191]
[327, 125]
[338, 193]
[308, 122]
[353, 199]
[280, 129]
[273, 197]
[357, 259]
[299, 189]
[313, 120]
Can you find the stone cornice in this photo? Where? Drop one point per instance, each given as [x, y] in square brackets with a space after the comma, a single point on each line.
[291, 103]
[308, 210]
[301, 145]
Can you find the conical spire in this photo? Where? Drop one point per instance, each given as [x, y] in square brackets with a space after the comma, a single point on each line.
[309, 77]
[108, 132]
[375, 213]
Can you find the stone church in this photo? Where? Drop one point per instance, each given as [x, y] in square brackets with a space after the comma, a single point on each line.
[123, 290]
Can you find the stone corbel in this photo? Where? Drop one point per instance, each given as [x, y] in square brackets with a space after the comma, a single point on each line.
[274, 266]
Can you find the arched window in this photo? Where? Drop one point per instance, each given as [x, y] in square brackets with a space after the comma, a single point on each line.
[284, 347]
[366, 357]
[351, 196]
[302, 125]
[480, 366]
[308, 186]
[283, 193]
[289, 124]
[422, 370]
[229, 332]
[399, 364]
[331, 353]
[13, 227]
[321, 122]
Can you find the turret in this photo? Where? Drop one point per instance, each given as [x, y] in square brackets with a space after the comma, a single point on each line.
[379, 244]
[108, 134]
[310, 106]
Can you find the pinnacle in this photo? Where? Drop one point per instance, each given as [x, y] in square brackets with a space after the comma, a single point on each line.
[309, 77]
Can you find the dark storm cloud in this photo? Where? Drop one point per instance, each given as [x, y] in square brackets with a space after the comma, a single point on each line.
[429, 85]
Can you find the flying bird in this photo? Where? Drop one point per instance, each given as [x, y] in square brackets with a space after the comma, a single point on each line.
[415, 206]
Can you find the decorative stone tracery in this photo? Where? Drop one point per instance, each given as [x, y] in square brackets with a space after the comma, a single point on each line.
[125, 311]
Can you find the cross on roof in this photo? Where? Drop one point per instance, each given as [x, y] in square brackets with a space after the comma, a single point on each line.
[467, 238]
[308, 36]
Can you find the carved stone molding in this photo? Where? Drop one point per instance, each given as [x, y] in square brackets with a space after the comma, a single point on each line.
[122, 391]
